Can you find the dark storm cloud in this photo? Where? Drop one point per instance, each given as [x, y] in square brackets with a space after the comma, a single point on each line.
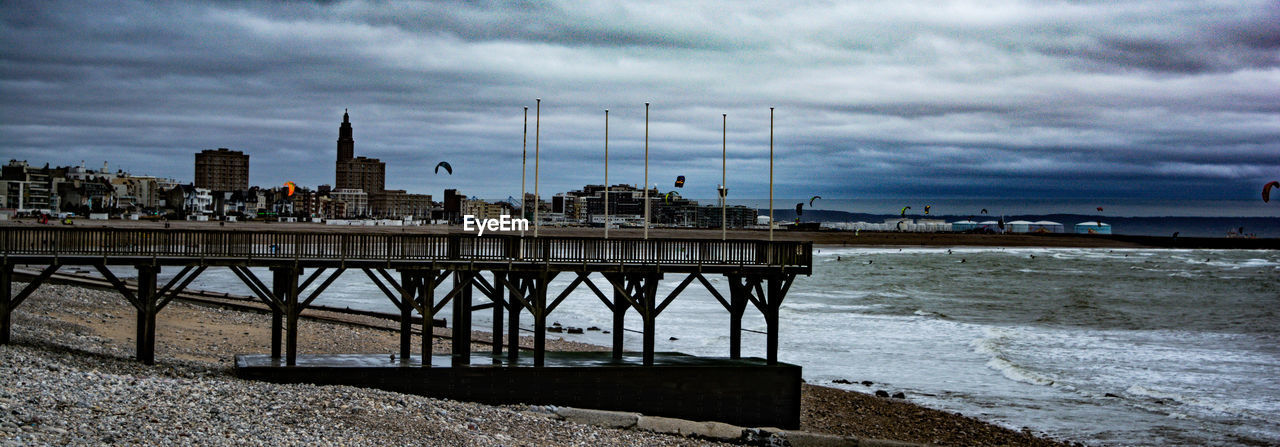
[874, 99]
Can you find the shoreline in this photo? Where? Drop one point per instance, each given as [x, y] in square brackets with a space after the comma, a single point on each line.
[819, 238]
[88, 321]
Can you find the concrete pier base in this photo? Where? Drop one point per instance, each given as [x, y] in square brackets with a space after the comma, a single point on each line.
[746, 392]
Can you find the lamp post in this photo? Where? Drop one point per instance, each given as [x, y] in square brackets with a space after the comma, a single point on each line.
[771, 174]
[646, 170]
[724, 185]
[606, 173]
[537, 132]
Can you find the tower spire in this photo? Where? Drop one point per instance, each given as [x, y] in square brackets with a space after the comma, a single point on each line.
[346, 145]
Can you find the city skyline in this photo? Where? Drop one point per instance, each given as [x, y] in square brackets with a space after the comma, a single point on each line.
[1141, 100]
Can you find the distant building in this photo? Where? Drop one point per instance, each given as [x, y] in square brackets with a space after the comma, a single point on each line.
[27, 188]
[357, 202]
[453, 205]
[366, 174]
[484, 210]
[222, 170]
[396, 203]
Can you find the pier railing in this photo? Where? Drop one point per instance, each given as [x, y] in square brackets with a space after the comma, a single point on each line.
[396, 247]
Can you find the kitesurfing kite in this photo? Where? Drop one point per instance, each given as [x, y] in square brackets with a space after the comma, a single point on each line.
[291, 186]
[446, 166]
[904, 210]
[667, 199]
[926, 208]
[1266, 191]
[812, 199]
[984, 211]
[1099, 209]
[680, 181]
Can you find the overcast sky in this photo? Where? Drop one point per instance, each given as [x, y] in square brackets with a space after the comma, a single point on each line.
[1160, 99]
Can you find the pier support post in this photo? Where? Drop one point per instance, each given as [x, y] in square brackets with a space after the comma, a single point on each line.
[461, 354]
[539, 311]
[285, 282]
[6, 292]
[737, 306]
[777, 286]
[406, 314]
[277, 329]
[427, 294]
[649, 299]
[147, 309]
[498, 305]
[620, 306]
[513, 317]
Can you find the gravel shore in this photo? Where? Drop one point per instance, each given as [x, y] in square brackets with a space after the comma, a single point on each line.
[70, 379]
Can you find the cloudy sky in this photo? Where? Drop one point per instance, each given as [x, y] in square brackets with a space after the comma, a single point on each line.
[1157, 100]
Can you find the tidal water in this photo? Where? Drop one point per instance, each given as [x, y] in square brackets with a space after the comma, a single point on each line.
[1101, 346]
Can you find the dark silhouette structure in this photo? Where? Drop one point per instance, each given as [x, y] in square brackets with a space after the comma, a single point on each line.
[363, 173]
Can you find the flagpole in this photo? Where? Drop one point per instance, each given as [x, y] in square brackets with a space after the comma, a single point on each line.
[646, 170]
[724, 160]
[537, 132]
[524, 166]
[771, 174]
[606, 173]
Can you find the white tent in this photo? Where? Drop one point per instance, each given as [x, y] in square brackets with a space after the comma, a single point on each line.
[1046, 226]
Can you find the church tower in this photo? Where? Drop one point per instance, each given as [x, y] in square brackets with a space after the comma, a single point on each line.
[346, 145]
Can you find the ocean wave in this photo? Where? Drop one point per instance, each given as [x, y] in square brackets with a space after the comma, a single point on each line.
[989, 346]
[1216, 406]
[925, 313]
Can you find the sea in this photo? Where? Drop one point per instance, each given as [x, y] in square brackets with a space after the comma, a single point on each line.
[1107, 347]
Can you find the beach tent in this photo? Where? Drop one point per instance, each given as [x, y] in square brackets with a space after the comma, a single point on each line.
[1093, 227]
[963, 225]
[1046, 226]
[1018, 226]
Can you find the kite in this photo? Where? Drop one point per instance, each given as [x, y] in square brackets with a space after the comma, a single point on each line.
[667, 199]
[1266, 191]
[984, 211]
[812, 199]
[926, 208]
[291, 186]
[680, 181]
[1099, 209]
[904, 210]
[447, 167]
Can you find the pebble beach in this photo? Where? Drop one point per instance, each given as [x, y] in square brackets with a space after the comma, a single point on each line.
[70, 379]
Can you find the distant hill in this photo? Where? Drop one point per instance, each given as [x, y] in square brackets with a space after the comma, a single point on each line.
[1265, 227]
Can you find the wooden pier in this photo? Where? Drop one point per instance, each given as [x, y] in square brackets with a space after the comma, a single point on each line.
[507, 275]
[421, 274]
